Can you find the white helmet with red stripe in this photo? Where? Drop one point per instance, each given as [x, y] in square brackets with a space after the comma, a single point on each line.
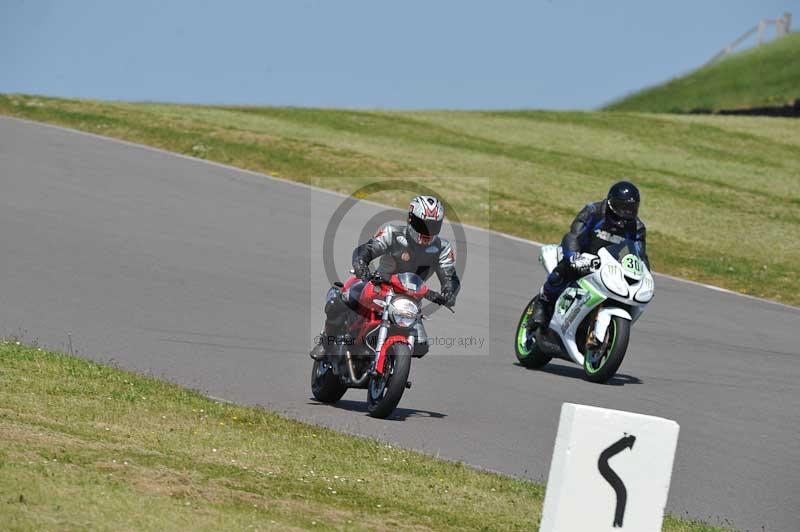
[425, 216]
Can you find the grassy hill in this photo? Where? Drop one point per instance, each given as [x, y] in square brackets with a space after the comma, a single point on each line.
[761, 76]
[721, 195]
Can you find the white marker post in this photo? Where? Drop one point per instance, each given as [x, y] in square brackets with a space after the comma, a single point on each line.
[610, 471]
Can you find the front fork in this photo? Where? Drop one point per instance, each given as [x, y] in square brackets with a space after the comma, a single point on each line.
[603, 320]
[597, 330]
[379, 359]
[383, 333]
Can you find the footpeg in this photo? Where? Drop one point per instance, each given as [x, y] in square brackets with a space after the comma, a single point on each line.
[408, 384]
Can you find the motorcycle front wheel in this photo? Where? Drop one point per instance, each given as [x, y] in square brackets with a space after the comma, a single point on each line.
[326, 387]
[602, 364]
[527, 350]
[384, 391]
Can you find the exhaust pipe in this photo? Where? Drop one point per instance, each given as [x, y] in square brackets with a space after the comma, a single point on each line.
[353, 380]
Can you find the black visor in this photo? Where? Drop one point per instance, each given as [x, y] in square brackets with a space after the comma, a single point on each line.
[627, 210]
[425, 227]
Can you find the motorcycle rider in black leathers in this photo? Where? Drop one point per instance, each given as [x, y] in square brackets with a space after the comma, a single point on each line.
[411, 247]
[598, 225]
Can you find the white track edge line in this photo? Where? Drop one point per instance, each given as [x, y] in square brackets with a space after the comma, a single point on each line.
[341, 195]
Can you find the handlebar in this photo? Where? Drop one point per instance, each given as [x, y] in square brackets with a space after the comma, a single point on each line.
[375, 277]
[585, 263]
[379, 278]
[433, 296]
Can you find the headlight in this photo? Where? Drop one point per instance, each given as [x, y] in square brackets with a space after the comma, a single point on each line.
[404, 312]
[614, 280]
[645, 293]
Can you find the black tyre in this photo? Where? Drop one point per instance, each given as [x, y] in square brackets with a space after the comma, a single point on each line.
[384, 392]
[599, 366]
[528, 352]
[326, 387]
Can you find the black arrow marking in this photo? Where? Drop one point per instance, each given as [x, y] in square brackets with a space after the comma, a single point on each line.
[613, 479]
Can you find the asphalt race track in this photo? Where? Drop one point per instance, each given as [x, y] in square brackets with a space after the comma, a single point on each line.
[210, 277]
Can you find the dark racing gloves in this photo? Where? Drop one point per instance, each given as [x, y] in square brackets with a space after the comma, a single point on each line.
[361, 270]
[443, 298]
[448, 298]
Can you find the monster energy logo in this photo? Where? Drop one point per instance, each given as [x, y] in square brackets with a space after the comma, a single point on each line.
[566, 300]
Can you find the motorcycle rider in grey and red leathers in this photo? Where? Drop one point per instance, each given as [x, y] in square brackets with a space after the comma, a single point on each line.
[412, 247]
[599, 224]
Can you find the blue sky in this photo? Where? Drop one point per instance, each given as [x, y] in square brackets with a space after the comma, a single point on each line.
[557, 54]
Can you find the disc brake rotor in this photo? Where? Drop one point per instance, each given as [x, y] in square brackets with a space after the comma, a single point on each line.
[596, 355]
[377, 385]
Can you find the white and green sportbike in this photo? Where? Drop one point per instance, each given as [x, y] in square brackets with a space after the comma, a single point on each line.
[592, 317]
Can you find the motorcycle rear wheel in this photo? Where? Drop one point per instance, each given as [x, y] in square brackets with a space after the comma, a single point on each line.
[526, 348]
[326, 387]
[601, 366]
[385, 391]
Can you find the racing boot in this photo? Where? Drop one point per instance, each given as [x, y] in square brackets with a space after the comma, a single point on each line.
[542, 312]
[318, 351]
[335, 316]
[330, 344]
[421, 346]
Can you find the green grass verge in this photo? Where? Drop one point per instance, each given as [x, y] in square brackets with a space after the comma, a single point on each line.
[86, 446]
[761, 76]
[721, 195]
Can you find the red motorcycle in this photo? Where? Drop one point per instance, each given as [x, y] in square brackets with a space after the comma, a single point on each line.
[376, 351]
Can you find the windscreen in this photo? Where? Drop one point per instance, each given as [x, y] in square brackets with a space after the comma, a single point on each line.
[624, 248]
[411, 282]
[628, 253]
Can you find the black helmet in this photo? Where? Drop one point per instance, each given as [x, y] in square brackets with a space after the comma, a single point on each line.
[623, 200]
